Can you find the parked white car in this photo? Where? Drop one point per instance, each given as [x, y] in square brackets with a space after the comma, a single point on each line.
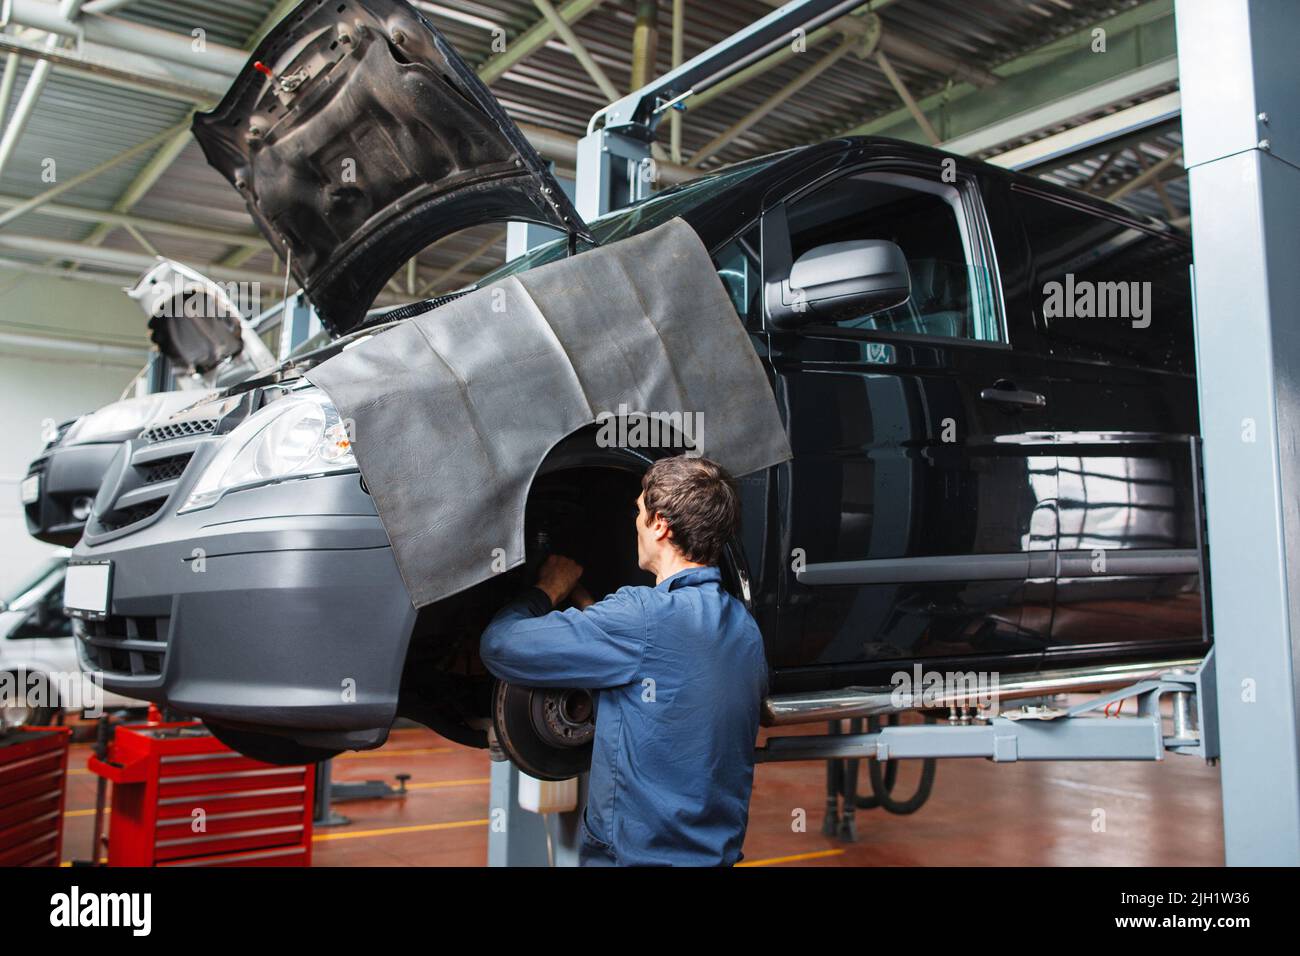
[39, 673]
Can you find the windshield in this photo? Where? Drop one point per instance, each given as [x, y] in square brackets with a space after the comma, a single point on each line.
[637, 218]
[311, 344]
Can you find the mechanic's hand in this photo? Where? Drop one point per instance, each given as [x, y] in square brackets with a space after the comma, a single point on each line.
[558, 576]
[581, 598]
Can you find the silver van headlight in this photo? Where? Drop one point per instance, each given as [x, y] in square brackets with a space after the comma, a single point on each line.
[300, 436]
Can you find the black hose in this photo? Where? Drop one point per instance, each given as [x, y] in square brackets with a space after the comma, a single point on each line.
[884, 779]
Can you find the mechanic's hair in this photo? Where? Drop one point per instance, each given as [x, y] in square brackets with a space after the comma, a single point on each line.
[699, 501]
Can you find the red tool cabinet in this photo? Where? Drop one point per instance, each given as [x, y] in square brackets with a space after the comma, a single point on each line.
[33, 775]
[182, 798]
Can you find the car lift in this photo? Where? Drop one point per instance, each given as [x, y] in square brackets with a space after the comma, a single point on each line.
[1243, 158]
[1039, 730]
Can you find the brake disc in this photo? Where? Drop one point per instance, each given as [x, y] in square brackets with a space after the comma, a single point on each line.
[545, 732]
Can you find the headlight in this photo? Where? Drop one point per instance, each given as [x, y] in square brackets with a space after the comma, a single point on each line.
[297, 437]
[122, 417]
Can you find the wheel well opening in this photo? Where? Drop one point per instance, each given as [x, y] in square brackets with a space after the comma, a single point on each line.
[585, 511]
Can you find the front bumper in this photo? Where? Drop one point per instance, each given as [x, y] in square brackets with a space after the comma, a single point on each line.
[279, 609]
[67, 475]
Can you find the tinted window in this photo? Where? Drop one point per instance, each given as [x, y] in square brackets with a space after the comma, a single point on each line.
[642, 217]
[950, 292]
[1106, 290]
[737, 264]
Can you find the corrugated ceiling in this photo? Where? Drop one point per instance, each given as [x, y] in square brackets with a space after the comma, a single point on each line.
[81, 122]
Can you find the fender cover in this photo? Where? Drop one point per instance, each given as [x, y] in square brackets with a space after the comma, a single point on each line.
[452, 412]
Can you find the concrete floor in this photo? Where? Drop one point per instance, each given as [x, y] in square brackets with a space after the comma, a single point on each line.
[980, 813]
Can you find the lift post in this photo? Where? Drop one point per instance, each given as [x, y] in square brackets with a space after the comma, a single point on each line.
[614, 167]
[1241, 135]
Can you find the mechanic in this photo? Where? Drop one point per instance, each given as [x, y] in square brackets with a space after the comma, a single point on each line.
[677, 671]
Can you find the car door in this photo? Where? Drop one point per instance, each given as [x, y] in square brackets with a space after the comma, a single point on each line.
[1113, 304]
[918, 510]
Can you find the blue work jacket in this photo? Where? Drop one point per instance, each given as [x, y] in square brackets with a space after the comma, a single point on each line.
[679, 674]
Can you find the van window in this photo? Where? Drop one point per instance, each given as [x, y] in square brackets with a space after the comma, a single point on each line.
[738, 269]
[1108, 291]
[951, 293]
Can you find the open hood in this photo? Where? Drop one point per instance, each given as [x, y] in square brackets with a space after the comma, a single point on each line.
[358, 136]
[195, 321]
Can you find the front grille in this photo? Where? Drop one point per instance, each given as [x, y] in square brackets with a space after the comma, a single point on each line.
[166, 469]
[184, 429]
[125, 646]
[145, 485]
[116, 520]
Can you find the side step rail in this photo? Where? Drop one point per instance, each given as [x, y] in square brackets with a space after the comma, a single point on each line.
[1038, 731]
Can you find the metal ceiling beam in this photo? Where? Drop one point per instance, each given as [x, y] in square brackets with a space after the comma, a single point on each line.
[22, 115]
[645, 42]
[145, 180]
[148, 177]
[532, 40]
[119, 259]
[35, 268]
[100, 7]
[106, 354]
[905, 95]
[788, 52]
[1136, 38]
[1126, 86]
[1106, 163]
[125, 70]
[7, 83]
[1147, 175]
[1091, 134]
[577, 48]
[443, 279]
[1170, 211]
[678, 53]
[37, 201]
[755, 115]
[912, 52]
[162, 227]
[125, 35]
[133, 262]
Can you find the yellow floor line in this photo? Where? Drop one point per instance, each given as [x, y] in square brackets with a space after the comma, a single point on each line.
[772, 861]
[456, 824]
[84, 813]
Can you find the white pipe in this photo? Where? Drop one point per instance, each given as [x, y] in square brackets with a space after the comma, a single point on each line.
[134, 37]
[26, 106]
[133, 356]
[7, 84]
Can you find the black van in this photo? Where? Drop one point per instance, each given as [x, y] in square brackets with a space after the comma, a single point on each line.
[996, 475]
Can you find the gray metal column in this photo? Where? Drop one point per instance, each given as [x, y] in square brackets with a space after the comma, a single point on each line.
[517, 837]
[298, 323]
[614, 170]
[1241, 128]
[522, 237]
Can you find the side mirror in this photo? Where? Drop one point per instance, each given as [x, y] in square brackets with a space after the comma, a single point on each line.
[842, 280]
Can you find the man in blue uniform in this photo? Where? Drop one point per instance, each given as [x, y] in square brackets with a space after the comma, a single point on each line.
[678, 670]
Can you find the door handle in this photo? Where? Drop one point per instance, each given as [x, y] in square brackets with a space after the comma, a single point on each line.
[1006, 393]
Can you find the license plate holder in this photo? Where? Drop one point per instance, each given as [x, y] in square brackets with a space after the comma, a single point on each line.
[88, 589]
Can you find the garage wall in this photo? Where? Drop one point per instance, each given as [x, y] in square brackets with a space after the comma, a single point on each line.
[55, 381]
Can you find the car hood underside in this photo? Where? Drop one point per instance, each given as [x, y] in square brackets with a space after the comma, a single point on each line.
[358, 136]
